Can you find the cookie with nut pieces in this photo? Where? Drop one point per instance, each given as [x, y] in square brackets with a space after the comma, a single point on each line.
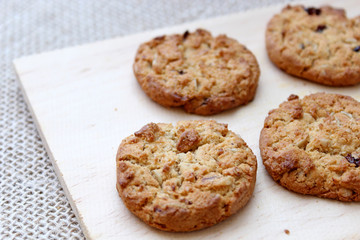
[186, 176]
[312, 145]
[318, 44]
[201, 73]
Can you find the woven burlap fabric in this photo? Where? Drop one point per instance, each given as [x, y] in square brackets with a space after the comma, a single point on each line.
[32, 202]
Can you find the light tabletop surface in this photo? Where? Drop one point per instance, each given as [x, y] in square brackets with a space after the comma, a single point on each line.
[33, 204]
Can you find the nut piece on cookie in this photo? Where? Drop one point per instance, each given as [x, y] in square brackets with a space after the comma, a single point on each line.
[203, 74]
[318, 44]
[188, 140]
[185, 177]
[312, 145]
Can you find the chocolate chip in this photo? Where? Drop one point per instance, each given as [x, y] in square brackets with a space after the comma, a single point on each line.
[320, 28]
[351, 159]
[205, 102]
[302, 46]
[356, 49]
[156, 209]
[313, 11]
[184, 200]
[185, 35]
[181, 72]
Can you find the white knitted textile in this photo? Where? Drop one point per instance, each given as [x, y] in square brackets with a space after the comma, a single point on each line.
[32, 202]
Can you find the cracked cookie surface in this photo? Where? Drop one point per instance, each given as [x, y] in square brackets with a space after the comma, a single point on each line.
[312, 145]
[185, 177]
[318, 44]
[201, 73]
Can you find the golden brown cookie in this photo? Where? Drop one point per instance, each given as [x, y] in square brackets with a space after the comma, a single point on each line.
[203, 74]
[185, 177]
[318, 44]
[312, 145]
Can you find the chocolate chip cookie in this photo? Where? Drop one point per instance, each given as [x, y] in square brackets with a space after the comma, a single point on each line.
[318, 44]
[185, 177]
[201, 73]
[312, 145]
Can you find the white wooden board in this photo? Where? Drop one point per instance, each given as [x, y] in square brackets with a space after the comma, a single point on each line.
[85, 100]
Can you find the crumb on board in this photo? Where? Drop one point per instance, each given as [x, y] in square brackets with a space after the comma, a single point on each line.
[287, 231]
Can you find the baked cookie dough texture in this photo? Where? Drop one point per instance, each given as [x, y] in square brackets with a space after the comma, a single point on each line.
[201, 73]
[312, 145]
[186, 176]
[318, 44]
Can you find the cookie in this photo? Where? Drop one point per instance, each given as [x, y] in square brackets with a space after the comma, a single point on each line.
[312, 145]
[318, 44]
[203, 74]
[185, 177]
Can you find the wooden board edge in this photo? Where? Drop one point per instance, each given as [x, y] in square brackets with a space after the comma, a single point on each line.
[51, 156]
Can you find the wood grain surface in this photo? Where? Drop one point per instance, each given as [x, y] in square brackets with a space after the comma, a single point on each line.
[85, 100]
